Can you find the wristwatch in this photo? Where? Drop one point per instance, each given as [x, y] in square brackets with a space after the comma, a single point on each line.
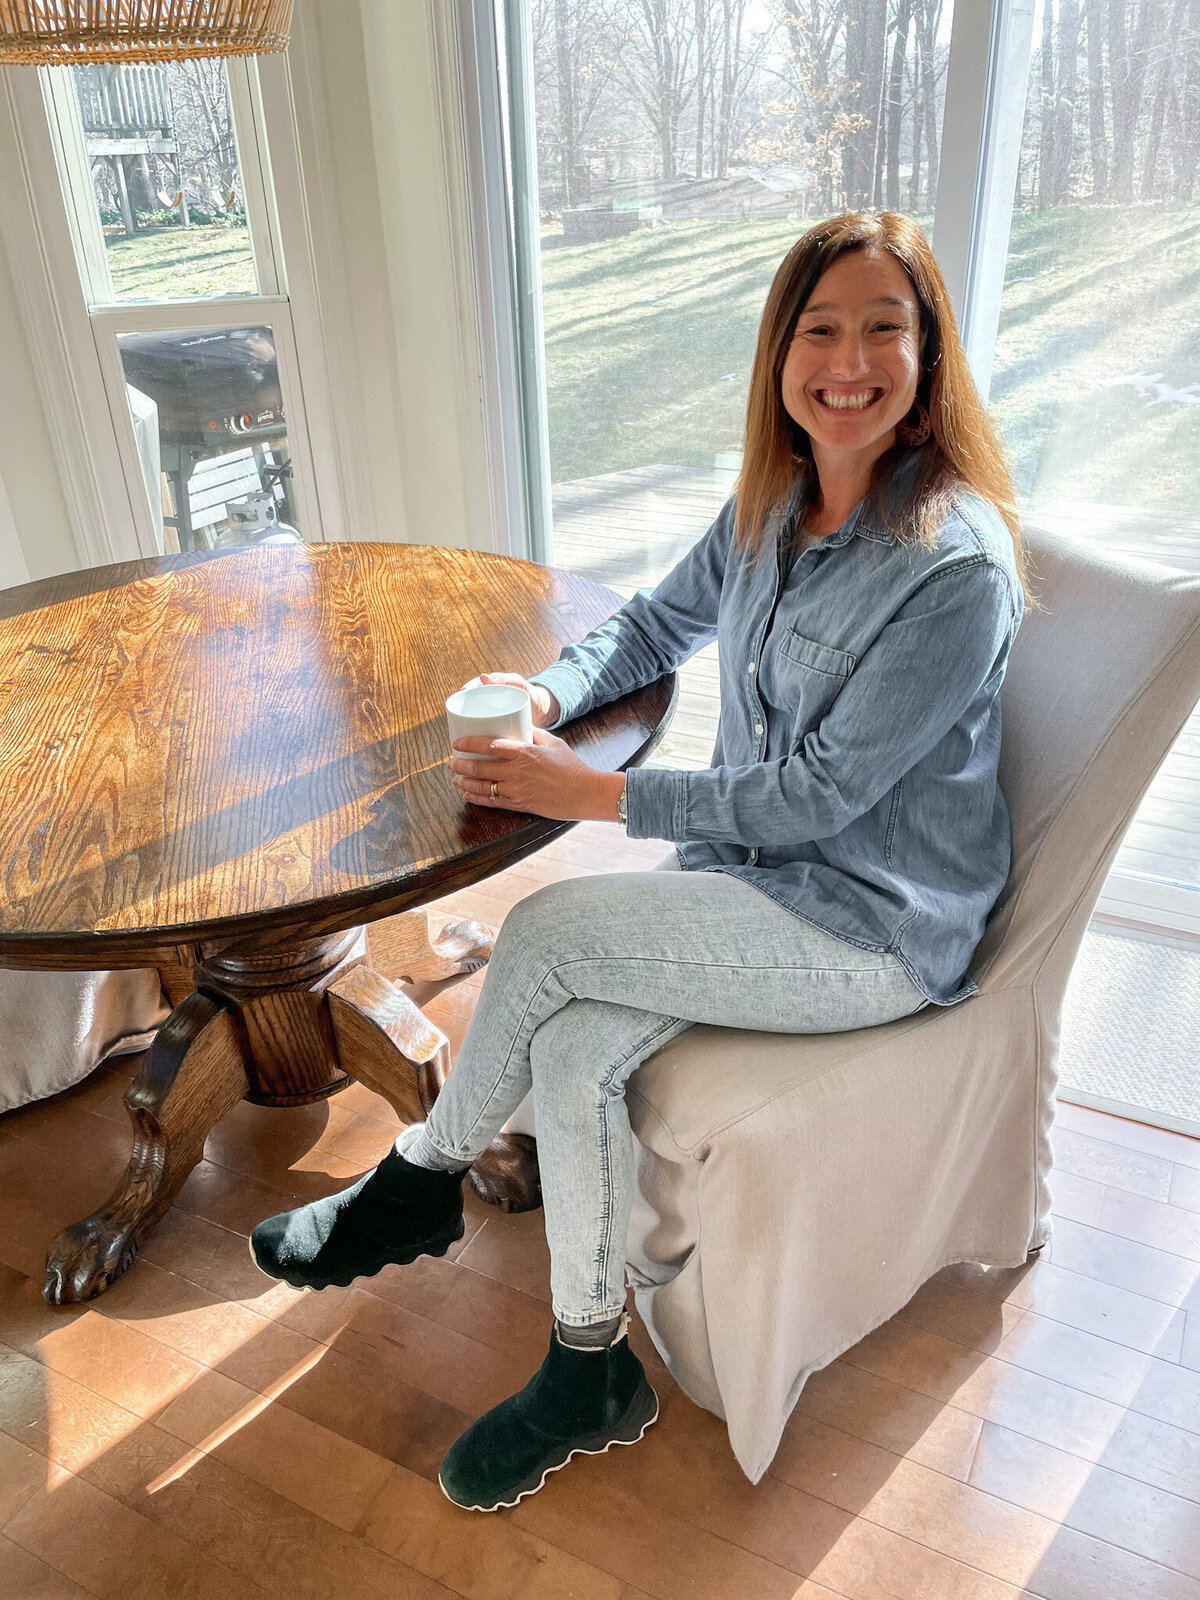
[621, 816]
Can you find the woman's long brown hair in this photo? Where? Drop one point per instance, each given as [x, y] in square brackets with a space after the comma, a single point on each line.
[962, 448]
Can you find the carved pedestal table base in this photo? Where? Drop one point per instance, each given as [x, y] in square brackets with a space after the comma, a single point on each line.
[282, 1029]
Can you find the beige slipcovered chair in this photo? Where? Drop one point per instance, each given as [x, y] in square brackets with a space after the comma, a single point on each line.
[796, 1190]
[56, 1027]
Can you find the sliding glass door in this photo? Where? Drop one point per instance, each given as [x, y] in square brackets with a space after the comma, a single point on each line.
[681, 146]
[1096, 369]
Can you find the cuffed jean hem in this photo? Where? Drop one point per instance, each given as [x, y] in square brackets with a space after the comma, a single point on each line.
[586, 1319]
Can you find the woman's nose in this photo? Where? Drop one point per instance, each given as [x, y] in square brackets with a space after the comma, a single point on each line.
[848, 359]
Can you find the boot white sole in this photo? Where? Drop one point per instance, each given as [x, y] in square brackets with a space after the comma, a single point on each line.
[505, 1505]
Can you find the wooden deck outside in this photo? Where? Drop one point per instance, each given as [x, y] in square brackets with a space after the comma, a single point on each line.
[627, 529]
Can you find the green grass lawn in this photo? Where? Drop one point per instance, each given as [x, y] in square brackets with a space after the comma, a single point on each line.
[182, 263]
[650, 337]
[649, 340]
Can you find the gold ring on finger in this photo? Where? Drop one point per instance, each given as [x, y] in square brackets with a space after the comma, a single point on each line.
[493, 791]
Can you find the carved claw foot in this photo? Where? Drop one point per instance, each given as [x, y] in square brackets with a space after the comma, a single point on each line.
[506, 1174]
[193, 1073]
[87, 1257]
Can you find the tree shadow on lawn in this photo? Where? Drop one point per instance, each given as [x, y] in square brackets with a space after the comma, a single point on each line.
[636, 256]
[1051, 354]
[1100, 276]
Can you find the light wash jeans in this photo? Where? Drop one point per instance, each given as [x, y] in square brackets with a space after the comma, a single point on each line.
[589, 978]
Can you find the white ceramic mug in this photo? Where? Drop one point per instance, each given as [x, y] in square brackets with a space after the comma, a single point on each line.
[490, 711]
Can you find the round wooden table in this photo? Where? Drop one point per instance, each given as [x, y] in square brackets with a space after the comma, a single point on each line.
[224, 765]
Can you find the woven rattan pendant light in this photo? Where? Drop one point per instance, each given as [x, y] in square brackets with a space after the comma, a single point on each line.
[60, 32]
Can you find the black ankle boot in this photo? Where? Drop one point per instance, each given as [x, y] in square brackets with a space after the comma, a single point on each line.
[579, 1402]
[391, 1216]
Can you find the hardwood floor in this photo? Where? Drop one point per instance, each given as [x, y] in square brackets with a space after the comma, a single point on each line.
[199, 1431]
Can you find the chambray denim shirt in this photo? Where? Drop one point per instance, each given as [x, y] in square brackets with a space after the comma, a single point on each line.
[854, 774]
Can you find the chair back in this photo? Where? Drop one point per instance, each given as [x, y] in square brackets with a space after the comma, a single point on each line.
[1103, 675]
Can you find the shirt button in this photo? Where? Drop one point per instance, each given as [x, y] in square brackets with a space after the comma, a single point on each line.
[758, 728]
[750, 666]
[753, 856]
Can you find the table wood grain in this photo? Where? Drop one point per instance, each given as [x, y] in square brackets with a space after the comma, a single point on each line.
[253, 744]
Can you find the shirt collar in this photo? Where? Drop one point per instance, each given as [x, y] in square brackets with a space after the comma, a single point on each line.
[861, 521]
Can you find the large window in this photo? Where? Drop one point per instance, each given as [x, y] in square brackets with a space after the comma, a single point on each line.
[1096, 370]
[664, 154]
[681, 148]
[152, 195]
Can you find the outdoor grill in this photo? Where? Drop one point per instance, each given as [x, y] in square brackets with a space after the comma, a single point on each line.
[215, 389]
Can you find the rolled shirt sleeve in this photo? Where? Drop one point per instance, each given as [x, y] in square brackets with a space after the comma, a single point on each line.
[931, 663]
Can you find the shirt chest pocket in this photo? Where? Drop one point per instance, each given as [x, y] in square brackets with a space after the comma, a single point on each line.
[810, 677]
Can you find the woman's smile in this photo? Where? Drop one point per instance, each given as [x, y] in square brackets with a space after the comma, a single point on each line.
[847, 400]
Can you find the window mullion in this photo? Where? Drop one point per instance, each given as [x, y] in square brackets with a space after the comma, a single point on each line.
[75, 175]
[254, 163]
[986, 77]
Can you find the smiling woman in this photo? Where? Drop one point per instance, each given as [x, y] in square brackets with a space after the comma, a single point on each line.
[839, 858]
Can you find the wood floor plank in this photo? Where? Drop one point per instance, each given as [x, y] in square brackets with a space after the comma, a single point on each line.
[1142, 1268]
[1185, 1188]
[669, 1486]
[1068, 1419]
[1113, 1164]
[24, 1577]
[22, 1470]
[1120, 1510]
[321, 1471]
[481, 1558]
[1140, 1136]
[1080, 1199]
[901, 1420]
[201, 1497]
[116, 1554]
[1141, 1381]
[1052, 1291]
[1166, 1227]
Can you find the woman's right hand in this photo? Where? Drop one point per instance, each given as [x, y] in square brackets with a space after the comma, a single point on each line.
[545, 707]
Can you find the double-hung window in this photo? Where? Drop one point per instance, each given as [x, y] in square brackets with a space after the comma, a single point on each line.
[154, 268]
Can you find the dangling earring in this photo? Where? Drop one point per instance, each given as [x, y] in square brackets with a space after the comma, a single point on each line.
[914, 433]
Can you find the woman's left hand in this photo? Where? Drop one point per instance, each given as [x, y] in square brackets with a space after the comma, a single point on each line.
[546, 778]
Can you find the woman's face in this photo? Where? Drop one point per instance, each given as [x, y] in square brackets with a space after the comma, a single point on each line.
[851, 371]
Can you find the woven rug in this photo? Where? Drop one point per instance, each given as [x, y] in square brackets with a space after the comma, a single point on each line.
[1131, 1027]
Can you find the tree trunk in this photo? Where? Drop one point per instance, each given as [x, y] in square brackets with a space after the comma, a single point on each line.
[927, 40]
[1126, 72]
[854, 72]
[702, 49]
[918, 100]
[895, 103]
[1047, 166]
[1187, 140]
[1065, 95]
[565, 92]
[1095, 61]
[869, 104]
[1165, 65]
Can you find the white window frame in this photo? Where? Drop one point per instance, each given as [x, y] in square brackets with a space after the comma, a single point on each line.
[73, 324]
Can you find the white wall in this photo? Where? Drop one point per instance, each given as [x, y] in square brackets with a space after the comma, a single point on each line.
[36, 541]
[380, 143]
[382, 169]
